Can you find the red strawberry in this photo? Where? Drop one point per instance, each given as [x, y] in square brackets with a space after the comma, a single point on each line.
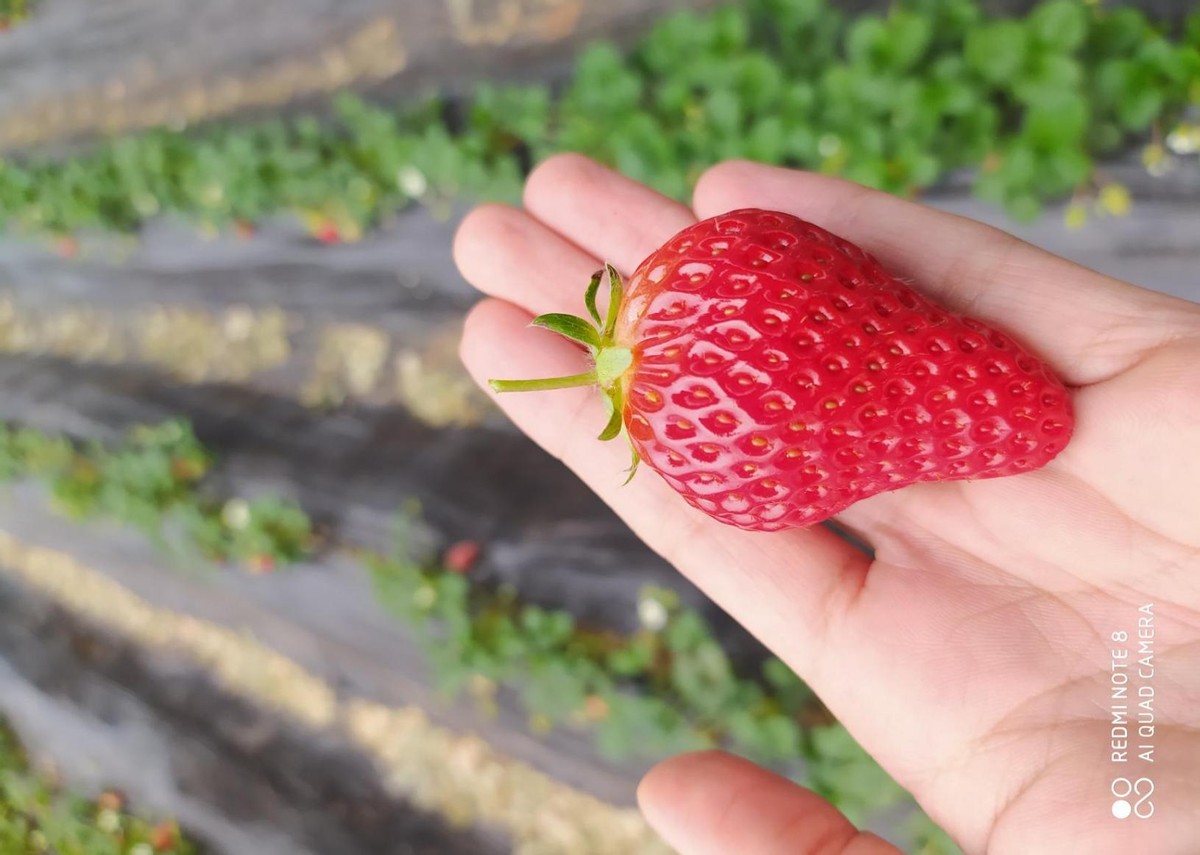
[164, 836]
[67, 247]
[328, 233]
[261, 563]
[461, 556]
[774, 374]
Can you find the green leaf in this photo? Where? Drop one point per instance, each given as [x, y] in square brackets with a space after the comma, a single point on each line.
[589, 297]
[1060, 24]
[869, 173]
[1105, 137]
[613, 426]
[616, 291]
[730, 30]
[997, 51]
[1018, 164]
[632, 660]
[1157, 56]
[1139, 106]
[1109, 80]
[1067, 170]
[1023, 207]
[724, 111]
[797, 101]
[570, 326]
[990, 187]
[685, 632]
[759, 82]
[766, 140]
[1117, 32]
[928, 838]
[1047, 78]
[780, 736]
[1057, 122]
[909, 36]
[865, 40]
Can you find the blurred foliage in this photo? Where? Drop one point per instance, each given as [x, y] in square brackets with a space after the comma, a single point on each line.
[37, 818]
[689, 696]
[666, 688]
[153, 481]
[894, 100]
[13, 12]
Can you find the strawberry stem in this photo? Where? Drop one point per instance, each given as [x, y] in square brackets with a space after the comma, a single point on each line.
[587, 378]
[611, 363]
[610, 360]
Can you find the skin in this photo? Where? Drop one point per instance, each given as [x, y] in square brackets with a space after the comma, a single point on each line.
[972, 656]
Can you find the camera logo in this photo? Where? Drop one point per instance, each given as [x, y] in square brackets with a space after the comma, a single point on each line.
[1132, 798]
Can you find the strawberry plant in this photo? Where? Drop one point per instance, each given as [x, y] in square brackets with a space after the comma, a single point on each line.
[38, 818]
[13, 12]
[895, 100]
[665, 688]
[153, 481]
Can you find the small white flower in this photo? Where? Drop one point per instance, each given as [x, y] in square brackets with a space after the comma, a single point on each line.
[424, 597]
[412, 181]
[1161, 167]
[652, 614]
[236, 514]
[146, 204]
[1184, 140]
[108, 821]
[213, 194]
[141, 849]
[829, 145]
[1157, 160]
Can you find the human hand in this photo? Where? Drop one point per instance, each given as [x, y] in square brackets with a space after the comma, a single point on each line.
[973, 655]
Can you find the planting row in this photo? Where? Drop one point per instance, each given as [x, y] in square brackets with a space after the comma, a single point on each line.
[897, 101]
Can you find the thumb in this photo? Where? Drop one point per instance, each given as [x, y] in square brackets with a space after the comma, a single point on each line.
[712, 803]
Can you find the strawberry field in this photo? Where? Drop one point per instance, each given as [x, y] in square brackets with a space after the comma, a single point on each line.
[248, 484]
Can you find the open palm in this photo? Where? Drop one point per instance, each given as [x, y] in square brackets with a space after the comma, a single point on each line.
[973, 655]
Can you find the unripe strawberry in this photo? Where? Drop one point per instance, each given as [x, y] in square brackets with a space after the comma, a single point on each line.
[774, 374]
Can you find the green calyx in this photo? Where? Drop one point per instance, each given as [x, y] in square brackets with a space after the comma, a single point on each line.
[610, 360]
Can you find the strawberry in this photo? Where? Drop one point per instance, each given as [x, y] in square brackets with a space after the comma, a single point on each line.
[774, 374]
[327, 232]
[67, 247]
[461, 556]
[260, 564]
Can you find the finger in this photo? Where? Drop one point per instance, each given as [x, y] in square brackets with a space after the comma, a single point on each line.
[792, 583]
[579, 214]
[1153, 408]
[506, 253]
[711, 803]
[1089, 326]
[602, 212]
